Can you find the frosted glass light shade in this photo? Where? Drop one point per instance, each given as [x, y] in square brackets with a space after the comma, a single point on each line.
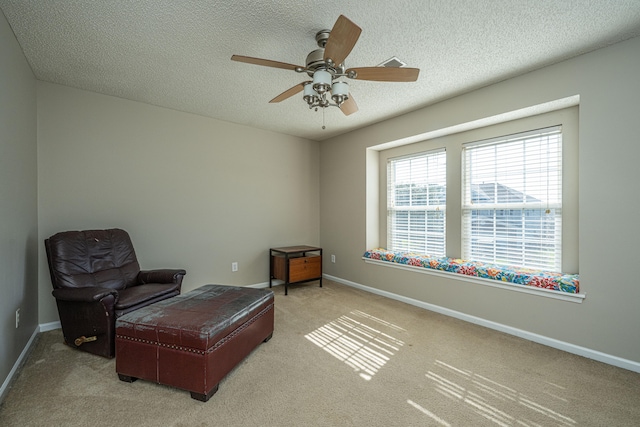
[309, 94]
[308, 90]
[321, 81]
[340, 88]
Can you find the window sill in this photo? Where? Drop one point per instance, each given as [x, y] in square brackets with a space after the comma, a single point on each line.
[564, 296]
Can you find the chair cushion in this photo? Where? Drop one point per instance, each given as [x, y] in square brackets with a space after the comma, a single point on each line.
[97, 258]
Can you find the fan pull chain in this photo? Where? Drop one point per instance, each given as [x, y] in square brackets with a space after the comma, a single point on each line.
[323, 118]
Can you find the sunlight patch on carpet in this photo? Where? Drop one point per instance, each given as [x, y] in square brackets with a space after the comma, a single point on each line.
[360, 340]
[486, 397]
[429, 413]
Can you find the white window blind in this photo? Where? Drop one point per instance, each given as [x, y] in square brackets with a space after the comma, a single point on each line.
[512, 200]
[416, 203]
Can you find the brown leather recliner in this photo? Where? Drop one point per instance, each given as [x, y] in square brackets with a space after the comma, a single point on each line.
[96, 278]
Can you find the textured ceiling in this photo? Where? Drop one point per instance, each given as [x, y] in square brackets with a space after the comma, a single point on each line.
[176, 54]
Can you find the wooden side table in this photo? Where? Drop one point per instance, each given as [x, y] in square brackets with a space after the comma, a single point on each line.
[295, 264]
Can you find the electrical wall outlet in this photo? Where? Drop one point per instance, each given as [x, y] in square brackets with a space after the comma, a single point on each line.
[333, 258]
[17, 318]
[234, 266]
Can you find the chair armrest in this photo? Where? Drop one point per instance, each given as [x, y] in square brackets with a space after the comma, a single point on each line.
[161, 276]
[89, 294]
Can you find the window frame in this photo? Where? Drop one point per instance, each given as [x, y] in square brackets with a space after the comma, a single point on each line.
[451, 140]
[526, 232]
[436, 245]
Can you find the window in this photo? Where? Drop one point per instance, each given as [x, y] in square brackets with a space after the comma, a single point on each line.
[416, 203]
[512, 200]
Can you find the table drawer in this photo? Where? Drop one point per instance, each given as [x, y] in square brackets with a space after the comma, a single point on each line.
[305, 268]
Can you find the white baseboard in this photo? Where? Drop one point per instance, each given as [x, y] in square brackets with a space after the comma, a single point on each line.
[276, 282]
[44, 327]
[16, 366]
[540, 339]
[40, 328]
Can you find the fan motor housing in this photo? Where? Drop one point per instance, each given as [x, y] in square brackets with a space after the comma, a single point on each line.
[321, 38]
[315, 60]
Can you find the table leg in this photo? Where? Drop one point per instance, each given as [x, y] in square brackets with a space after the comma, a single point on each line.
[271, 261]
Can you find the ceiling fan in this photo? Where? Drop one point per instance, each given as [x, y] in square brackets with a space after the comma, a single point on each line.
[326, 67]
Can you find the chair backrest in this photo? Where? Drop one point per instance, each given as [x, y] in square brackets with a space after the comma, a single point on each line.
[102, 258]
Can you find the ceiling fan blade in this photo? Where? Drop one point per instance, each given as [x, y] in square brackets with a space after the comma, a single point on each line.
[342, 39]
[386, 74]
[349, 106]
[289, 92]
[264, 62]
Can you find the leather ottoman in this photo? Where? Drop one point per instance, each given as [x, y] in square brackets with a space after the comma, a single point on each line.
[193, 340]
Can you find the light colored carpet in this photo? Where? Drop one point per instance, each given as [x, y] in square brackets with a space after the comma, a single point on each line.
[341, 357]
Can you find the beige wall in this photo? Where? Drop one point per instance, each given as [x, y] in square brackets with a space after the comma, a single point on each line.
[18, 202]
[192, 192]
[608, 86]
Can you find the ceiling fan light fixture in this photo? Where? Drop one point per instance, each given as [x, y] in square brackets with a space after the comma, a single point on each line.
[309, 95]
[339, 92]
[322, 81]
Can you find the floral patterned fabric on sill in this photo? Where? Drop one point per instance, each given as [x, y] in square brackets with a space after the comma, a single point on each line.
[520, 276]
